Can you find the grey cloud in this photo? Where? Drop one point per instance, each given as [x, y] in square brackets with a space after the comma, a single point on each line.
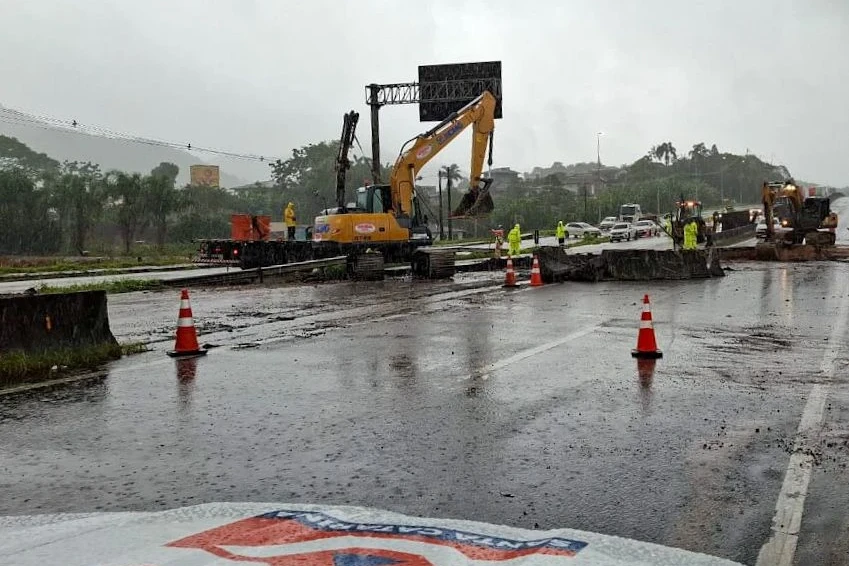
[266, 76]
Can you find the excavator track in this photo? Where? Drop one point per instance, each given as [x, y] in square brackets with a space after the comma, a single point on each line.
[366, 267]
[433, 264]
[820, 239]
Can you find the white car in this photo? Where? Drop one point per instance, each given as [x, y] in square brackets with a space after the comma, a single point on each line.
[647, 228]
[607, 223]
[622, 231]
[760, 229]
[581, 229]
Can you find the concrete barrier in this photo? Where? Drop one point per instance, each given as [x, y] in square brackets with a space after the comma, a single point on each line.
[40, 323]
[734, 235]
[628, 265]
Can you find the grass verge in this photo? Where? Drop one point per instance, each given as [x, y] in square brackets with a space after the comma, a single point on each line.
[17, 367]
[131, 348]
[115, 286]
[45, 265]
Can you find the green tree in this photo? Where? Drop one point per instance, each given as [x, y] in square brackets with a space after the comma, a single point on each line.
[665, 153]
[204, 213]
[308, 179]
[166, 170]
[129, 203]
[78, 192]
[454, 173]
[162, 201]
[15, 153]
[162, 198]
[27, 224]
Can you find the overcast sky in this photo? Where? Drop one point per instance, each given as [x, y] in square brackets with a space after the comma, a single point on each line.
[264, 76]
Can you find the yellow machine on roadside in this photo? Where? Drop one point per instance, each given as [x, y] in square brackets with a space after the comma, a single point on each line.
[808, 220]
[387, 218]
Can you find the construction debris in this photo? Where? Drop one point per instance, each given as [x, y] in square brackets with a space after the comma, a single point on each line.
[628, 265]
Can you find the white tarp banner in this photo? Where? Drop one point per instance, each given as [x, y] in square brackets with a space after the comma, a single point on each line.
[226, 534]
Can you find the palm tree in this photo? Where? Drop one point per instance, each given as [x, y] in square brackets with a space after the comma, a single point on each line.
[665, 152]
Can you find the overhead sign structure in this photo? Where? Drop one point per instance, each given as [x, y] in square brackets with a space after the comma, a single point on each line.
[445, 89]
[440, 91]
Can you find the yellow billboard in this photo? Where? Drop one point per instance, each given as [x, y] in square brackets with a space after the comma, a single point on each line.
[205, 175]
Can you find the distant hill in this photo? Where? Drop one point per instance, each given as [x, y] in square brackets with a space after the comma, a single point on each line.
[106, 152]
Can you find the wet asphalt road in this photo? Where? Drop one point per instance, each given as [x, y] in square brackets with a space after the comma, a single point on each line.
[464, 400]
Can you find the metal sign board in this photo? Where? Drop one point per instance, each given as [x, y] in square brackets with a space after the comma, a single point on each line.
[444, 89]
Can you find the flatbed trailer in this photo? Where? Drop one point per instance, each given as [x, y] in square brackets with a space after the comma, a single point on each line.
[364, 262]
[253, 253]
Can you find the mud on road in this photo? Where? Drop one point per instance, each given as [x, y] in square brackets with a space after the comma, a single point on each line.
[256, 314]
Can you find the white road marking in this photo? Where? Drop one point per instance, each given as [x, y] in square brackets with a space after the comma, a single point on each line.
[780, 549]
[524, 354]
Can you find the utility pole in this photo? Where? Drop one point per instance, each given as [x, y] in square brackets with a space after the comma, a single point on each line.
[441, 231]
[586, 192]
[597, 169]
[448, 188]
[375, 131]
[658, 202]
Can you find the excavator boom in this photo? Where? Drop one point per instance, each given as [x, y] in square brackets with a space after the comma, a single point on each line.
[480, 114]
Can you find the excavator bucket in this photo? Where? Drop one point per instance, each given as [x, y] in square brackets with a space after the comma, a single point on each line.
[476, 202]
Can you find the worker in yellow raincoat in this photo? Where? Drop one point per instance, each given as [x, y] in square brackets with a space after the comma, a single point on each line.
[289, 219]
[514, 240]
[691, 231]
[560, 233]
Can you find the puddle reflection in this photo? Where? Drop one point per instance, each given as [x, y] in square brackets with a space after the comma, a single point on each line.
[186, 369]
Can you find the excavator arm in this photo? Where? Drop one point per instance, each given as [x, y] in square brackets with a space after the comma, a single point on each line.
[480, 114]
[346, 140]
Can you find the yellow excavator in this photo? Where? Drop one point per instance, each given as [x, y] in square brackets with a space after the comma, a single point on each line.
[387, 218]
[808, 220]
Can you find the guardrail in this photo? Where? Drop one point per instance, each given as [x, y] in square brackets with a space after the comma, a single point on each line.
[255, 274]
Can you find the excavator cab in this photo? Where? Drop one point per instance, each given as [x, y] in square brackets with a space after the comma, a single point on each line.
[377, 199]
[374, 198]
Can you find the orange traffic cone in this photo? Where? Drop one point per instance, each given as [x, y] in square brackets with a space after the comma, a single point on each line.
[510, 275]
[646, 343]
[187, 338]
[536, 276]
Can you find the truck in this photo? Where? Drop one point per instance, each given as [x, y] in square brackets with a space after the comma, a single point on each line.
[630, 213]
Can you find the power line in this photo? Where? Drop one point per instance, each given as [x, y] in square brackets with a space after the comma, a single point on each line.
[18, 117]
